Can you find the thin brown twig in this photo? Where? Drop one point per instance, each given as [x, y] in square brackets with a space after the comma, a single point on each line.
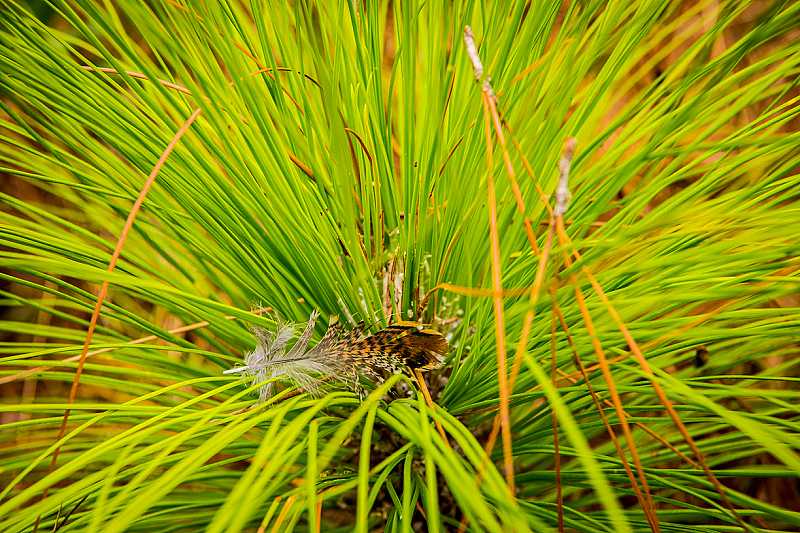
[650, 344]
[562, 198]
[554, 417]
[571, 378]
[268, 72]
[361, 142]
[138, 76]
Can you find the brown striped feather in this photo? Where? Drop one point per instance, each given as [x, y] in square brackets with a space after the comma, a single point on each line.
[407, 344]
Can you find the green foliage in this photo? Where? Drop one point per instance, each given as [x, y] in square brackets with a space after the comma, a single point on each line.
[338, 145]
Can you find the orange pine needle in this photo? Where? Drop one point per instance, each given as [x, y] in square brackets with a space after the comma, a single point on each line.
[111, 265]
[283, 514]
[596, 400]
[502, 372]
[662, 397]
[139, 76]
[492, 103]
[73, 393]
[426, 393]
[608, 377]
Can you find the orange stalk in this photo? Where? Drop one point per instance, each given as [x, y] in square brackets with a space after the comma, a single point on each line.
[479, 291]
[503, 423]
[538, 280]
[569, 148]
[523, 340]
[492, 102]
[528, 320]
[73, 392]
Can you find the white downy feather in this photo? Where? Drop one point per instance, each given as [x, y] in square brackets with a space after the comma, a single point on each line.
[270, 359]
